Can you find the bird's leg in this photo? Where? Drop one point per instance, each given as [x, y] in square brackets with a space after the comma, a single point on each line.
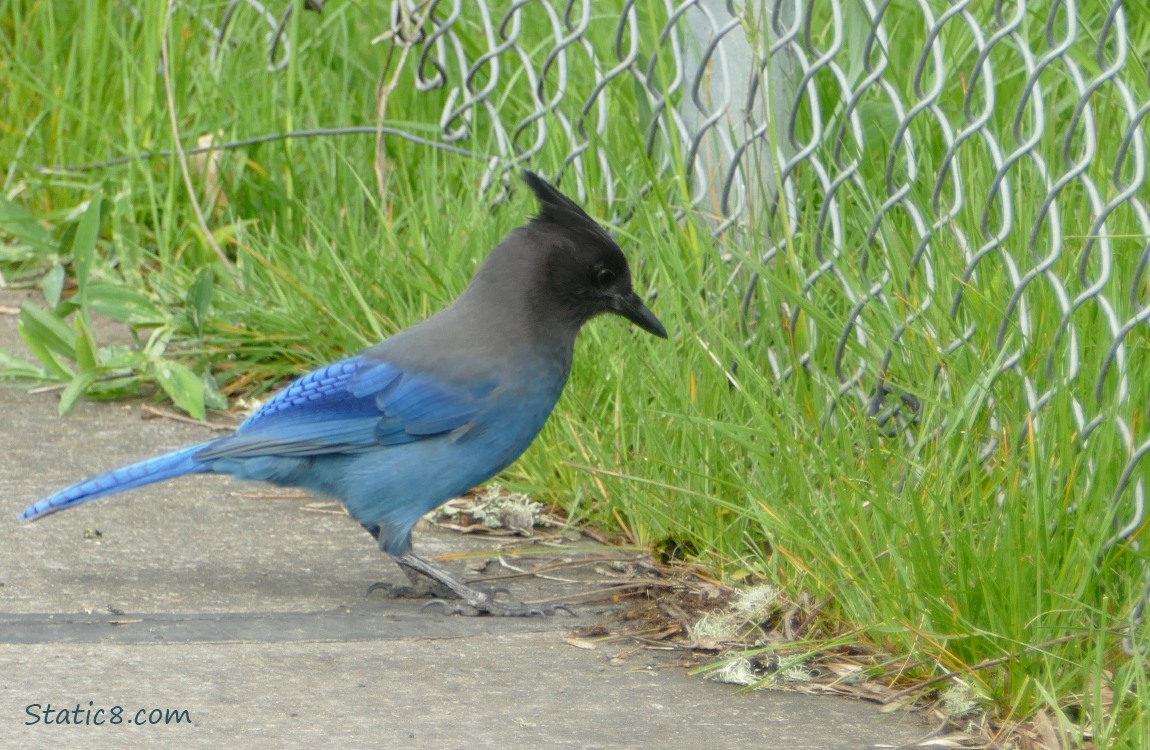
[474, 599]
[421, 587]
[428, 580]
[425, 585]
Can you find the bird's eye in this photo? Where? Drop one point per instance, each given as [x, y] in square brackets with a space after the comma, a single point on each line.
[604, 276]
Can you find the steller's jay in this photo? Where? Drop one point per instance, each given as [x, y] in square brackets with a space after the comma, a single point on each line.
[424, 416]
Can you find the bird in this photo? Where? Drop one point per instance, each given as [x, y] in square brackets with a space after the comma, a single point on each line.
[434, 410]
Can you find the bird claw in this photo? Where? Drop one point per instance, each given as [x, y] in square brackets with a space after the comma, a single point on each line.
[490, 592]
[396, 591]
[380, 586]
[451, 608]
[554, 609]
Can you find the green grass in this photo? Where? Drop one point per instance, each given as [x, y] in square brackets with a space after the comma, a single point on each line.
[695, 444]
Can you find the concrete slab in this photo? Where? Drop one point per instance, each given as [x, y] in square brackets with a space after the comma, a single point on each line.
[245, 608]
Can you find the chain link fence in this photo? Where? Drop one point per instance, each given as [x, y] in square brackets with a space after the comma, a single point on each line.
[970, 179]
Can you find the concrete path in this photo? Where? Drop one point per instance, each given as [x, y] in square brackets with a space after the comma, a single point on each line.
[247, 612]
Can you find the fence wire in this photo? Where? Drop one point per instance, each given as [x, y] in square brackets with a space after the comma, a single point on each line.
[971, 177]
[998, 162]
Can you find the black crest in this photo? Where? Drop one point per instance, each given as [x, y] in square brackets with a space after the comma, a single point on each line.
[556, 208]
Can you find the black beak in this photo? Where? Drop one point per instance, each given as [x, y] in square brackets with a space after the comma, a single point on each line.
[633, 309]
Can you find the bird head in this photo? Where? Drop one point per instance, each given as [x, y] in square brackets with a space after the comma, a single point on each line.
[586, 271]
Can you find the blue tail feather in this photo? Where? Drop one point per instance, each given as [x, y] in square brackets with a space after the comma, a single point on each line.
[129, 477]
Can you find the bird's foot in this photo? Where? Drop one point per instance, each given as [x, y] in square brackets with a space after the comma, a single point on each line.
[404, 591]
[469, 600]
[476, 608]
[426, 588]
[482, 600]
[418, 587]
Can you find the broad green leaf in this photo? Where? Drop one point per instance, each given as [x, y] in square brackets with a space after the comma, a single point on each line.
[44, 328]
[52, 284]
[214, 398]
[85, 345]
[122, 304]
[65, 308]
[84, 243]
[21, 224]
[51, 361]
[12, 366]
[77, 388]
[200, 296]
[122, 357]
[182, 385]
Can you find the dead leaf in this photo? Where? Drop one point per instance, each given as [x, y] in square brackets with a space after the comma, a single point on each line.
[1046, 731]
[207, 164]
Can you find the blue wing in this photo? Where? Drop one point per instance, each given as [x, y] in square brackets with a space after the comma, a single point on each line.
[353, 405]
